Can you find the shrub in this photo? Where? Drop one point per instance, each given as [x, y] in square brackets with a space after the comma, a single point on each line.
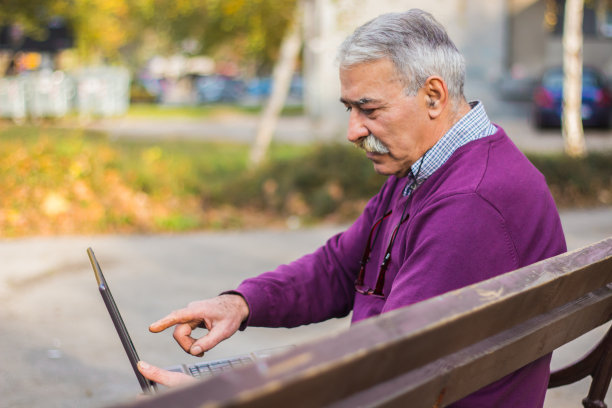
[577, 182]
[73, 181]
[327, 179]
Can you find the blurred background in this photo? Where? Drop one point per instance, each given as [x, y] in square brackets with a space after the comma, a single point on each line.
[198, 142]
[154, 115]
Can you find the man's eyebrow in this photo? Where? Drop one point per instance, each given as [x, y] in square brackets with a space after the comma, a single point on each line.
[359, 102]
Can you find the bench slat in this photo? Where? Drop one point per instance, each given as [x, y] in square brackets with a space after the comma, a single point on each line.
[455, 376]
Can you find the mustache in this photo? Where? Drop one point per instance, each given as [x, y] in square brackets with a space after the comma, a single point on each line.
[372, 144]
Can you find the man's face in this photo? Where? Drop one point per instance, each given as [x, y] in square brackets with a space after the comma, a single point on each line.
[378, 106]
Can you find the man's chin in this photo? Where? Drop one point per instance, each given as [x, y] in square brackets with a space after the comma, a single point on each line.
[383, 164]
[385, 170]
[381, 169]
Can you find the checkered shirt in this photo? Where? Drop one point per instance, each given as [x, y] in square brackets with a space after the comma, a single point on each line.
[474, 125]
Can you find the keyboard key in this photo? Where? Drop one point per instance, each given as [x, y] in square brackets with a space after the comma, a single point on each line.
[218, 366]
[204, 367]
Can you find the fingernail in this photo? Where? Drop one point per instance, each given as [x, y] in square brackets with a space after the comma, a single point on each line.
[195, 350]
[143, 365]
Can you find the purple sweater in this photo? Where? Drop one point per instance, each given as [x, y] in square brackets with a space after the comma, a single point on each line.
[484, 212]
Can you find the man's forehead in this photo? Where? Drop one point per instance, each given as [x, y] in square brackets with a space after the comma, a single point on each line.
[368, 82]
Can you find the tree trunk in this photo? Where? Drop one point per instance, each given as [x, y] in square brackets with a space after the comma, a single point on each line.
[573, 133]
[283, 71]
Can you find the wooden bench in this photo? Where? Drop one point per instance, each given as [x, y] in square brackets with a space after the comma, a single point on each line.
[437, 351]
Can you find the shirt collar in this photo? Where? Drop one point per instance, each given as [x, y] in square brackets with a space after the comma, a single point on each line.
[472, 126]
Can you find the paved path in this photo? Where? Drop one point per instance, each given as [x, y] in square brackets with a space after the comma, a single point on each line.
[58, 347]
[298, 129]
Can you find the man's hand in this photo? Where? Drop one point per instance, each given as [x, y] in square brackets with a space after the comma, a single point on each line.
[221, 315]
[164, 377]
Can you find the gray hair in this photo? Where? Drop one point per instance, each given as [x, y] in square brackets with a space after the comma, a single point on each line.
[415, 42]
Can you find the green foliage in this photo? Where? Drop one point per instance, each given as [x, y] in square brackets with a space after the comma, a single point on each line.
[32, 15]
[177, 222]
[156, 111]
[249, 31]
[72, 181]
[322, 180]
[255, 27]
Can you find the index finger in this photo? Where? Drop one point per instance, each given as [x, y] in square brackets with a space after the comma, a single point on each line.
[174, 318]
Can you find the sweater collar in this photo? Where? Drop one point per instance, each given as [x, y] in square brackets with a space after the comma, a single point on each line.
[472, 126]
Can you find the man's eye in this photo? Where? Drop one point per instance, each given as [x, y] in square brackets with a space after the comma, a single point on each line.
[368, 112]
[348, 108]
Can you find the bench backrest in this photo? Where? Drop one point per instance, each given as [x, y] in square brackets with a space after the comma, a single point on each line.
[431, 353]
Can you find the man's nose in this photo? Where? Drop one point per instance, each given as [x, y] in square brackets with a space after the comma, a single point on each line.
[356, 127]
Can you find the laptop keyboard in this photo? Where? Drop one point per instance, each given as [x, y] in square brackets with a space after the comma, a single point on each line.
[218, 366]
[210, 368]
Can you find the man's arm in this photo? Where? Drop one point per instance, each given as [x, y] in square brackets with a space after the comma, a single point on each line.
[318, 286]
[314, 288]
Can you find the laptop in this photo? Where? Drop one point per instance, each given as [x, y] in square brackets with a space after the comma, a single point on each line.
[204, 369]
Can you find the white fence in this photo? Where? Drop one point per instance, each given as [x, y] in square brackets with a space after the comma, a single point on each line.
[13, 98]
[102, 92]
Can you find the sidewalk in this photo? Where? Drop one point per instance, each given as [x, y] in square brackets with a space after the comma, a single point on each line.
[298, 129]
[58, 347]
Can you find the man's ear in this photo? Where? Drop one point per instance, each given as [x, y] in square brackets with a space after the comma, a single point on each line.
[436, 96]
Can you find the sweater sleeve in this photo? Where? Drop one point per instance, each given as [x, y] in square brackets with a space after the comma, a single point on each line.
[459, 240]
[317, 286]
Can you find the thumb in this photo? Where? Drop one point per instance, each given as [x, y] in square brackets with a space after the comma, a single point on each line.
[215, 336]
[164, 377]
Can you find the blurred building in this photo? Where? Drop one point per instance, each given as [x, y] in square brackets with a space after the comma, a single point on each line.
[535, 29]
[506, 43]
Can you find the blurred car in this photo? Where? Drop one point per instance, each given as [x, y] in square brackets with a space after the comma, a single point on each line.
[596, 99]
[261, 87]
[219, 88]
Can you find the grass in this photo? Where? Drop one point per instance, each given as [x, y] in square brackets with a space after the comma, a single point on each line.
[146, 110]
[58, 181]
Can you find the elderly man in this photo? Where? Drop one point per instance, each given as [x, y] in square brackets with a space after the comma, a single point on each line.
[461, 204]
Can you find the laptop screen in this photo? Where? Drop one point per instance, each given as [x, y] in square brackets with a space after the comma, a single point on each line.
[148, 387]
